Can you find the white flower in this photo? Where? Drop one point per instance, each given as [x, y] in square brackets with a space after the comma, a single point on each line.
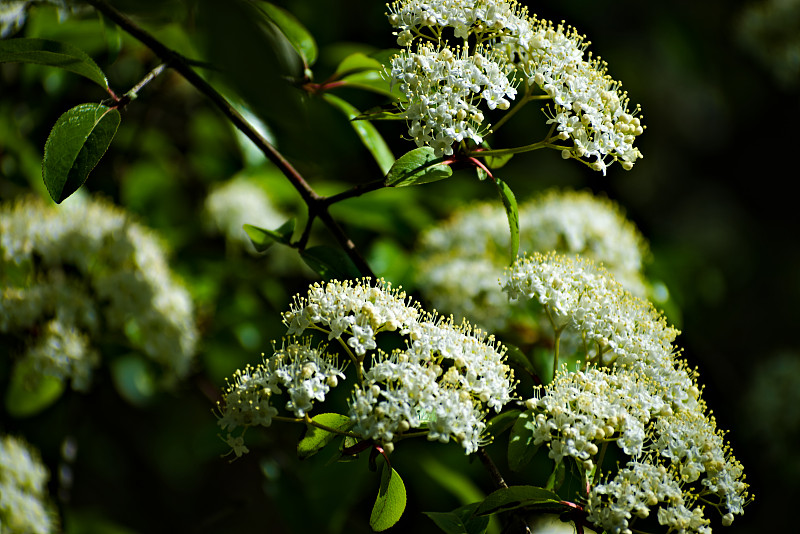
[441, 385]
[344, 308]
[588, 105]
[444, 89]
[24, 505]
[304, 373]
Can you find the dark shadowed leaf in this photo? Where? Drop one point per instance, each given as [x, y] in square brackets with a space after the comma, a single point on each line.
[515, 497]
[296, 33]
[53, 54]
[369, 135]
[330, 263]
[520, 442]
[262, 238]
[461, 520]
[76, 143]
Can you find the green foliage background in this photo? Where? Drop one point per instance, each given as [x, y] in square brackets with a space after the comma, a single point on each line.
[712, 196]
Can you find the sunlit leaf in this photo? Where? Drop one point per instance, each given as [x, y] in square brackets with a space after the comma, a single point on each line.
[357, 62]
[391, 500]
[76, 143]
[556, 478]
[369, 135]
[316, 438]
[53, 54]
[512, 211]
[29, 392]
[419, 166]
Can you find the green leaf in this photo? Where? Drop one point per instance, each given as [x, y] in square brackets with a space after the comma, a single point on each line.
[316, 438]
[375, 81]
[53, 54]
[387, 112]
[496, 162]
[357, 62]
[556, 478]
[391, 500]
[296, 33]
[510, 203]
[520, 442]
[369, 135]
[514, 497]
[330, 263]
[515, 355]
[76, 143]
[29, 391]
[419, 166]
[461, 520]
[262, 238]
[502, 422]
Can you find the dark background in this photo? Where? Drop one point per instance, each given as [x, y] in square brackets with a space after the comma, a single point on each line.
[712, 195]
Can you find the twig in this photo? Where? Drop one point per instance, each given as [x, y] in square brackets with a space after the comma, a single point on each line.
[316, 205]
[487, 461]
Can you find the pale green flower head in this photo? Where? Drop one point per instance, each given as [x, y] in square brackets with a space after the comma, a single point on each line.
[460, 261]
[24, 503]
[72, 271]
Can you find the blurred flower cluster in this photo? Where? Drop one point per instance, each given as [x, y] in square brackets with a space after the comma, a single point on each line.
[83, 275]
[460, 262]
[24, 506]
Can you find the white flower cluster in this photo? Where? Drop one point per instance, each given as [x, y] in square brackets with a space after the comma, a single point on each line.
[643, 399]
[443, 90]
[588, 106]
[24, 508]
[238, 202]
[459, 262]
[306, 374]
[81, 269]
[491, 19]
[441, 384]
[355, 308]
